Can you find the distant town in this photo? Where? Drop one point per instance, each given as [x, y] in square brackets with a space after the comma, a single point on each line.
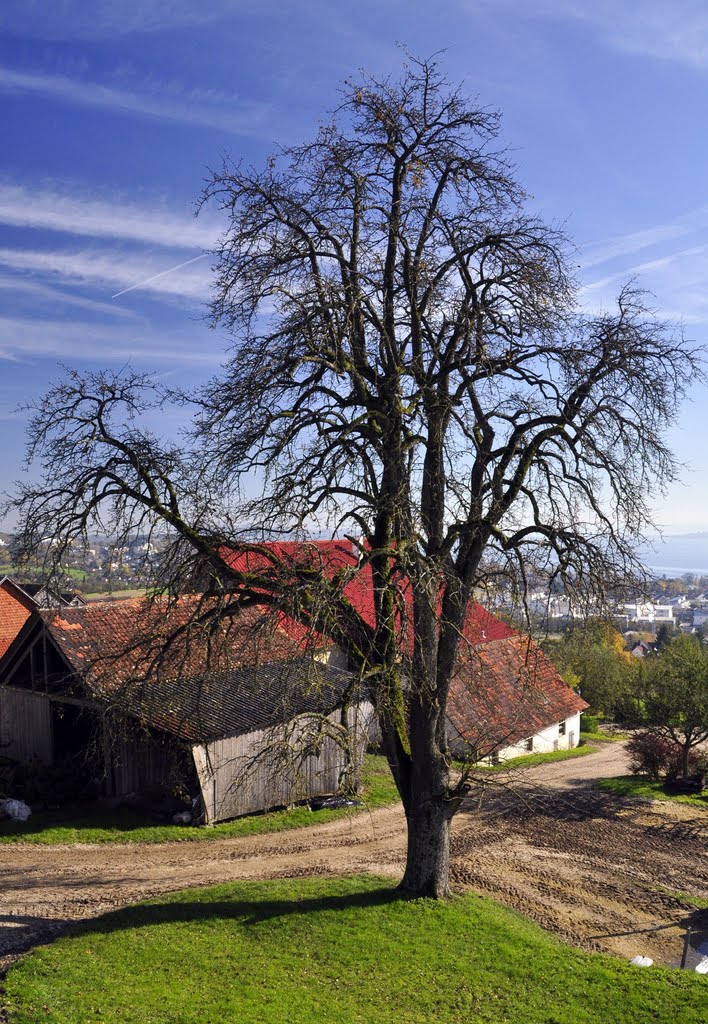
[680, 602]
[97, 571]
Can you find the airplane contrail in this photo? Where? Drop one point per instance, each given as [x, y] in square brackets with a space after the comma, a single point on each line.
[162, 273]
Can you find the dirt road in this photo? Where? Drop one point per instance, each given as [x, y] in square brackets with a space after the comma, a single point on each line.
[597, 871]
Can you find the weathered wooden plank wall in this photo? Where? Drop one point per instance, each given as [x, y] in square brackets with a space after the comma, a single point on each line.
[263, 769]
[25, 725]
[141, 764]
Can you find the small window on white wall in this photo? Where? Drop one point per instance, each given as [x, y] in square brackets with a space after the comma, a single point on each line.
[561, 728]
[528, 744]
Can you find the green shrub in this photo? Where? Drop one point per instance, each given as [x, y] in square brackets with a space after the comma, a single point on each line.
[589, 723]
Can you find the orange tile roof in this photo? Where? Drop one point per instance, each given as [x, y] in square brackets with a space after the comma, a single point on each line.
[15, 609]
[229, 675]
[119, 644]
[505, 691]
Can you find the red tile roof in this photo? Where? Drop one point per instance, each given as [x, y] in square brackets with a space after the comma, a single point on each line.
[505, 691]
[15, 608]
[118, 644]
[341, 556]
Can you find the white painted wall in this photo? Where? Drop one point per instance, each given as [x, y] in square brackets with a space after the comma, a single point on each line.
[544, 741]
[547, 739]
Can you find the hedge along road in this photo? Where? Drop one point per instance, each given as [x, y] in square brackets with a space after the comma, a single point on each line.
[602, 873]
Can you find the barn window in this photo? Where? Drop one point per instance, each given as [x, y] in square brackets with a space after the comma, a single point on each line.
[561, 728]
[528, 744]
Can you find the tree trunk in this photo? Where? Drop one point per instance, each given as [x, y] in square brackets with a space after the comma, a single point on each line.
[685, 755]
[428, 854]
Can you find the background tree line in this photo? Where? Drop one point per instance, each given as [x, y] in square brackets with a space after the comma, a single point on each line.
[664, 694]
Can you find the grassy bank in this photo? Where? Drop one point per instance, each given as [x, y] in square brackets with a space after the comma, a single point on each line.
[529, 760]
[642, 788]
[599, 736]
[346, 950]
[97, 824]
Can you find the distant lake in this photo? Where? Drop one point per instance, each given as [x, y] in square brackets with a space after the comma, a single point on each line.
[676, 554]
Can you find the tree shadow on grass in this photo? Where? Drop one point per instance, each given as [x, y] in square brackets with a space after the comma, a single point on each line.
[20, 932]
[194, 906]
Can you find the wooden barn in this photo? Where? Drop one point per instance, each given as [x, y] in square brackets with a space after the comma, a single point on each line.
[257, 723]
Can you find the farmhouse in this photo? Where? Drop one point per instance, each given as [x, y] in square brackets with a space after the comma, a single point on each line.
[506, 697]
[240, 718]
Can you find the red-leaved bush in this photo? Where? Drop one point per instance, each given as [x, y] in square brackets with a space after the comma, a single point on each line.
[658, 756]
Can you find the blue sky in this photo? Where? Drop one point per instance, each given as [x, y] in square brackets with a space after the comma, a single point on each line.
[113, 112]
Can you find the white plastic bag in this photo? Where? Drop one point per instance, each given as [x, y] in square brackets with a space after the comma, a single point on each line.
[18, 810]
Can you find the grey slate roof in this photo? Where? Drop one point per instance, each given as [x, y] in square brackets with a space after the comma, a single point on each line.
[234, 702]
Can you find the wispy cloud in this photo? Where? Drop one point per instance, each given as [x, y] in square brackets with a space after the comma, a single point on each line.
[675, 31]
[70, 19]
[673, 269]
[55, 209]
[661, 263]
[17, 287]
[636, 241]
[111, 270]
[676, 279]
[149, 281]
[212, 109]
[23, 339]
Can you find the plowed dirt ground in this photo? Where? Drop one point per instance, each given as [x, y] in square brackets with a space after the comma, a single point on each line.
[602, 873]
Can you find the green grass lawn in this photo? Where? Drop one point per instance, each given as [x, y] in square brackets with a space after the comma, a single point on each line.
[603, 737]
[529, 760]
[645, 789]
[323, 951]
[97, 824]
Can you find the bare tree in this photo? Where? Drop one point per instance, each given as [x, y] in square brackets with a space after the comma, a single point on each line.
[408, 367]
